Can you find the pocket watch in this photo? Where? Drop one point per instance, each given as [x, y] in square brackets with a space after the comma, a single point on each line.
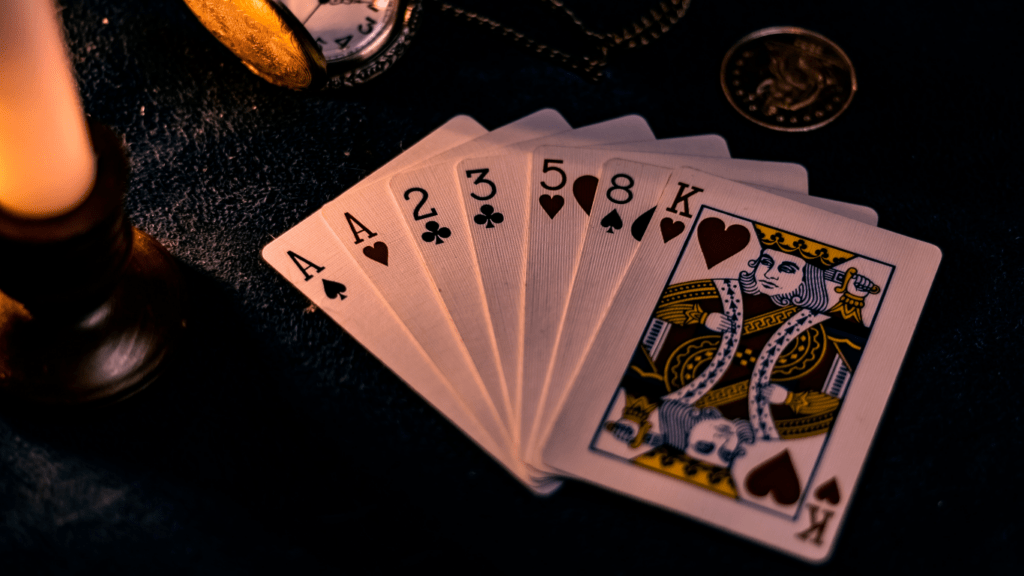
[303, 44]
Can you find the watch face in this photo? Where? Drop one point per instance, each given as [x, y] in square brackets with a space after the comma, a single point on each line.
[346, 30]
[312, 43]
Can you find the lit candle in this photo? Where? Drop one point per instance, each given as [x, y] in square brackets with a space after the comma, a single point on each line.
[47, 166]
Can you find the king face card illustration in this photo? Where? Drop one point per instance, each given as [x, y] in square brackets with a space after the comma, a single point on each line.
[741, 372]
[746, 388]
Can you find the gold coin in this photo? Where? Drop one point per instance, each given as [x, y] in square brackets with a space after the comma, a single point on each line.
[787, 78]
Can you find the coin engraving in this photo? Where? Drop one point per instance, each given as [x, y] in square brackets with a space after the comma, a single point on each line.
[787, 78]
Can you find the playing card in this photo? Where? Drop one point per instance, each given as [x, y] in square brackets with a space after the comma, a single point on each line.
[621, 212]
[794, 187]
[710, 145]
[749, 397]
[603, 259]
[370, 225]
[714, 146]
[499, 182]
[312, 258]
[461, 129]
[458, 130]
[564, 186]
[857, 212]
[434, 212]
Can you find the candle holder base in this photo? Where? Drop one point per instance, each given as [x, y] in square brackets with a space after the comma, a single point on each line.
[106, 355]
[89, 306]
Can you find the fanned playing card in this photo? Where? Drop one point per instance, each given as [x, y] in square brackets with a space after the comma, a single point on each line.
[556, 239]
[312, 258]
[368, 222]
[493, 190]
[434, 213]
[498, 182]
[741, 379]
[583, 302]
[604, 257]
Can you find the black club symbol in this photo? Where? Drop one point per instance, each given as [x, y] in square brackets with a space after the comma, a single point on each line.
[435, 232]
[488, 216]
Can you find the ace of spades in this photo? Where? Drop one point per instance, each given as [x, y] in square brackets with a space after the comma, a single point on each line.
[373, 231]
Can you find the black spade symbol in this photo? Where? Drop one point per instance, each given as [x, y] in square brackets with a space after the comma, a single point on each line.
[612, 221]
[334, 289]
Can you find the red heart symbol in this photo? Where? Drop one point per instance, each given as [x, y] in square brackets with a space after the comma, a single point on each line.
[670, 229]
[718, 243]
[584, 189]
[378, 252]
[551, 204]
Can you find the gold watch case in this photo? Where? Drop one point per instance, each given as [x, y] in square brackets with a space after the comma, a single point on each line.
[271, 41]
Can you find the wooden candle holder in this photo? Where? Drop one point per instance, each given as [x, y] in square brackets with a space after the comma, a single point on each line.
[89, 306]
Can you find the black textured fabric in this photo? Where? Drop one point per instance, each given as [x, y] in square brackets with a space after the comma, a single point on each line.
[277, 443]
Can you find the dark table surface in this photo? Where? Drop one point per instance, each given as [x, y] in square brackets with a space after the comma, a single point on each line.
[276, 442]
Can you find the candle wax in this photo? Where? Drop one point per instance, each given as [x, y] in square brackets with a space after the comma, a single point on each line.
[47, 165]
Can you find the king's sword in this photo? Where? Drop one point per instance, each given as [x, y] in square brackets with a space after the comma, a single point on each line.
[844, 277]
